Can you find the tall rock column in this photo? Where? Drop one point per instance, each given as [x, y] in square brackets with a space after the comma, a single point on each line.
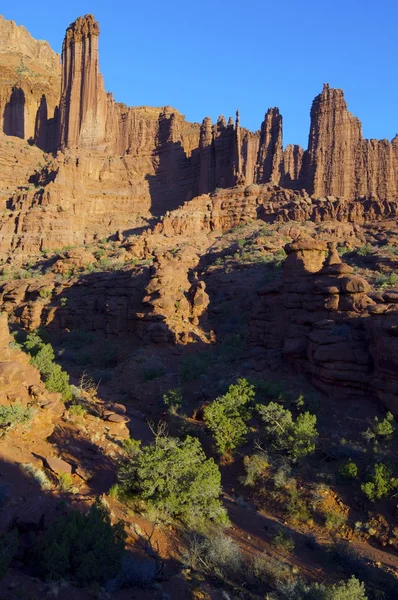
[206, 174]
[83, 100]
[334, 141]
[270, 155]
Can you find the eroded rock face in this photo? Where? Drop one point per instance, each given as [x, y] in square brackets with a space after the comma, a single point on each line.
[325, 321]
[174, 300]
[30, 78]
[340, 161]
[115, 163]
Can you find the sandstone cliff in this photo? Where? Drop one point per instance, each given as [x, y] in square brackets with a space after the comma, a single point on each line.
[29, 85]
[340, 161]
[116, 164]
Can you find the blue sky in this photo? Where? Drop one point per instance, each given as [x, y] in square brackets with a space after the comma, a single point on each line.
[209, 58]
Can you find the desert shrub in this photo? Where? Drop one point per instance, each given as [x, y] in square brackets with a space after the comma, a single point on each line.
[296, 506]
[348, 470]
[45, 293]
[226, 417]
[55, 379]
[297, 438]
[15, 414]
[385, 428]
[85, 548]
[217, 555]
[8, 549]
[131, 447]
[65, 482]
[256, 467]
[38, 475]
[381, 483]
[283, 541]
[334, 519]
[265, 569]
[77, 410]
[365, 250]
[173, 399]
[175, 478]
[384, 280]
[352, 589]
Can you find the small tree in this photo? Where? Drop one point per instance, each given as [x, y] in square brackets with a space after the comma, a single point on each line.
[381, 482]
[348, 470]
[385, 428]
[173, 399]
[226, 417]
[256, 466]
[176, 478]
[55, 379]
[87, 548]
[297, 438]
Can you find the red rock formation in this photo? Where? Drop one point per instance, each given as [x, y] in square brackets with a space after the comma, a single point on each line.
[323, 319]
[82, 106]
[293, 164]
[29, 84]
[340, 161]
[270, 156]
[118, 162]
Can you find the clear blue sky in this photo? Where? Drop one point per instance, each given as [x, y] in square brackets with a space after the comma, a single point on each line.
[210, 57]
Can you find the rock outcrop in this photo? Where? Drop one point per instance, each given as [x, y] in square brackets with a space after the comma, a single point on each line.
[340, 161]
[324, 320]
[30, 78]
[270, 156]
[116, 164]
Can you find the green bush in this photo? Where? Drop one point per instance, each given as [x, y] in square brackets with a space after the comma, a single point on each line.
[77, 410]
[365, 250]
[15, 414]
[256, 467]
[175, 478]
[65, 482]
[173, 399]
[297, 438]
[85, 548]
[381, 482]
[131, 447]
[349, 590]
[297, 507]
[55, 379]
[217, 555]
[226, 417]
[45, 293]
[348, 470]
[283, 541]
[385, 428]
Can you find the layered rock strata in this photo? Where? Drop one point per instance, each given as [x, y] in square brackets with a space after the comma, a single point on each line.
[340, 161]
[325, 321]
[117, 164]
[30, 78]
